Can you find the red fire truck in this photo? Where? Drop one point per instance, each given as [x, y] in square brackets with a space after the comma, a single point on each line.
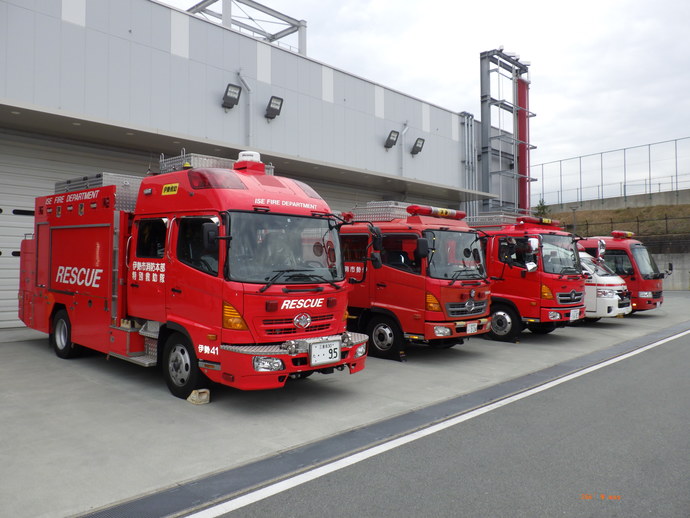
[431, 287]
[213, 267]
[630, 259]
[537, 280]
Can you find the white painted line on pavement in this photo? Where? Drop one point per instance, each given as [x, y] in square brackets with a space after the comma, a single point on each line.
[284, 485]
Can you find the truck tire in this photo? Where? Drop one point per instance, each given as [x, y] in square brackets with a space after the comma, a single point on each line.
[541, 328]
[180, 366]
[505, 323]
[61, 337]
[385, 337]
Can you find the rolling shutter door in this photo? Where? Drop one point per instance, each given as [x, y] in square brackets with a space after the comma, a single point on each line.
[29, 167]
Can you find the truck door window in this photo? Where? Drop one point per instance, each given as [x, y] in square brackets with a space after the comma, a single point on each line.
[517, 254]
[619, 262]
[190, 246]
[151, 238]
[354, 247]
[398, 252]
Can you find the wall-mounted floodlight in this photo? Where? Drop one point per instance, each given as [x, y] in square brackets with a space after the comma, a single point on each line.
[232, 95]
[275, 104]
[392, 139]
[418, 145]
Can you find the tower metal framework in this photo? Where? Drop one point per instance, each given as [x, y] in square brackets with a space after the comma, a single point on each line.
[505, 142]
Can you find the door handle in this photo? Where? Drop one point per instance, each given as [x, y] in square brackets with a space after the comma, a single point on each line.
[176, 290]
[381, 284]
[134, 285]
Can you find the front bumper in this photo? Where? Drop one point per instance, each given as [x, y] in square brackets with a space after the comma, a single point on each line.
[237, 365]
[456, 329]
[561, 316]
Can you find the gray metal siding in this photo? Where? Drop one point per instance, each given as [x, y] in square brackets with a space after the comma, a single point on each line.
[125, 64]
[29, 167]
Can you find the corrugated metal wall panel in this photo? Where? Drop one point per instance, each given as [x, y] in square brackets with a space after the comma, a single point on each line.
[29, 167]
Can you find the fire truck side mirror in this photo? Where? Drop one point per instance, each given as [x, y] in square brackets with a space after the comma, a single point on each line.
[376, 239]
[375, 259]
[533, 244]
[531, 267]
[209, 232]
[601, 248]
[670, 269]
[422, 249]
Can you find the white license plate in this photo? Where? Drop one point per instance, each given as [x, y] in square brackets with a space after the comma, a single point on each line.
[321, 353]
[574, 314]
[472, 328]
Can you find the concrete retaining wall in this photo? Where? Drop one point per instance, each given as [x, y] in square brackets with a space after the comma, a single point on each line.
[680, 278]
[624, 202]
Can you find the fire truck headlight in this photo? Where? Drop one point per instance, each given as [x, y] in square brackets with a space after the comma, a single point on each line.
[554, 315]
[604, 293]
[645, 294]
[441, 331]
[361, 350]
[267, 364]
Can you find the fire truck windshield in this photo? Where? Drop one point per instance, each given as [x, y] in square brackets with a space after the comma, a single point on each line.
[645, 262]
[455, 255]
[560, 255]
[305, 249]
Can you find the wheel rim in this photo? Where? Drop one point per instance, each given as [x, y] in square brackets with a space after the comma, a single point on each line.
[179, 365]
[382, 337]
[61, 335]
[501, 323]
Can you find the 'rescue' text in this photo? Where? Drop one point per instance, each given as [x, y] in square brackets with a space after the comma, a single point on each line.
[79, 276]
[302, 303]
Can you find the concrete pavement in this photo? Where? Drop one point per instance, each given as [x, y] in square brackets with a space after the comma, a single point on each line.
[82, 434]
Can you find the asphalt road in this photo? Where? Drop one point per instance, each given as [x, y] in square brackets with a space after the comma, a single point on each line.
[87, 434]
[614, 442]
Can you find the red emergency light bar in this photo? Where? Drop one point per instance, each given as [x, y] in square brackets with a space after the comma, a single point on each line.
[539, 221]
[213, 179]
[427, 210]
[622, 234]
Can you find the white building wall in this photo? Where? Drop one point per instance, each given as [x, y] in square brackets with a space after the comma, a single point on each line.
[146, 66]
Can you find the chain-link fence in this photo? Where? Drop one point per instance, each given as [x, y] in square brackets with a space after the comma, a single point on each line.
[658, 167]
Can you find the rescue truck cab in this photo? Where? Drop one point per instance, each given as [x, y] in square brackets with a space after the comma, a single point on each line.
[431, 288]
[630, 259]
[537, 280]
[212, 267]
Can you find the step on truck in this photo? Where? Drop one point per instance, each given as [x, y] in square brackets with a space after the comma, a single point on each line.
[630, 259]
[211, 269]
[536, 276]
[431, 288]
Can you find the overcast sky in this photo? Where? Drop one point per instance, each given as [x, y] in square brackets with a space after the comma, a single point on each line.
[605, 74]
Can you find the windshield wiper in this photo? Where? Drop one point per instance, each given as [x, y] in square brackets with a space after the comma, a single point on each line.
[314, 276]
[278, 274]
[472, 274]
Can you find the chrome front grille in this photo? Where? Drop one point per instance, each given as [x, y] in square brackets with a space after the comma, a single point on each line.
[572, 297]
[285, 326]
[462, 309]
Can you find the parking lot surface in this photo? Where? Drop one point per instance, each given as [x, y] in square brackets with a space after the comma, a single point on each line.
[82, 434]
